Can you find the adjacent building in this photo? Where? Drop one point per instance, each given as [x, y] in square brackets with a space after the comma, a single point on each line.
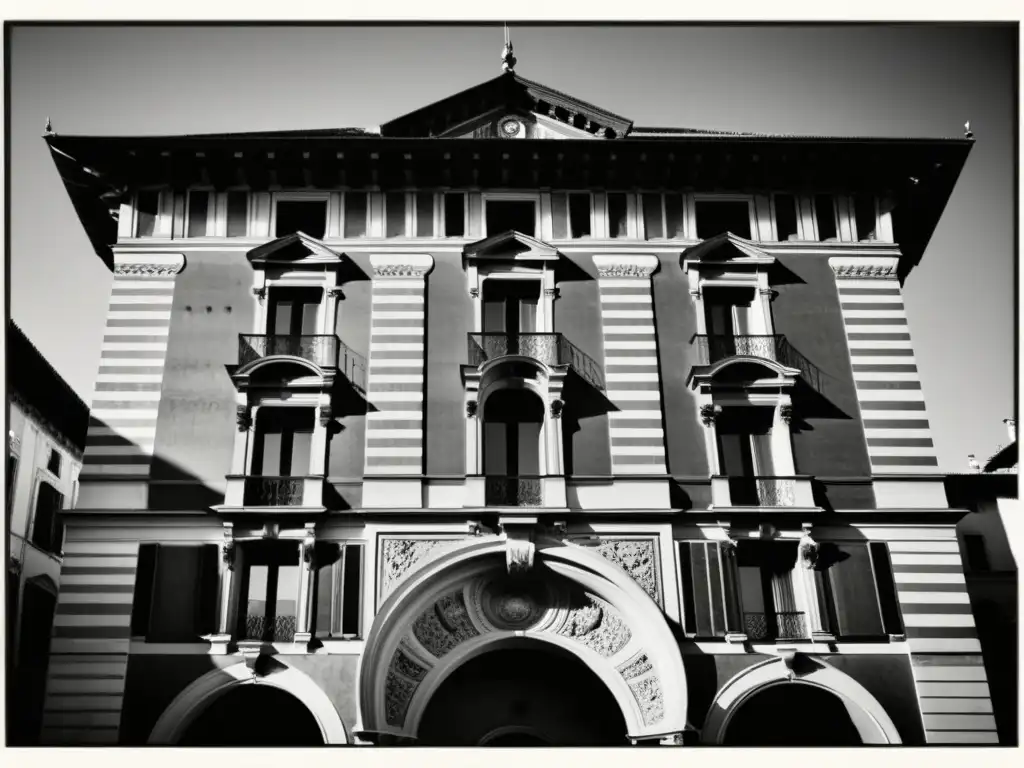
[46, 436]
[510, 422]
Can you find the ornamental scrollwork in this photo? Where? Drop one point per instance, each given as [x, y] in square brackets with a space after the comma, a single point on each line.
[869, 271]
[146, 270]
[626, 270]
[400, 270]
[638, 558]
[807, 552]
[708, 414]
[227, 554]
[556, 408]
[786, 413]
[243, 417]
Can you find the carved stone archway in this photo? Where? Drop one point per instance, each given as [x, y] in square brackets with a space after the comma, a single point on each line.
[465, 603]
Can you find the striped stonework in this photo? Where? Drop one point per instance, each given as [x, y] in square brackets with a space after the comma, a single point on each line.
[945, 653]
[631, 364]
[394, 424]
[126, 397]
[884, 368]
[89, 647]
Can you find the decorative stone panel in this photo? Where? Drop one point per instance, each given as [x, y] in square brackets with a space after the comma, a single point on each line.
[598, 626]
[638, 558]
[401, 555]
[647, 691]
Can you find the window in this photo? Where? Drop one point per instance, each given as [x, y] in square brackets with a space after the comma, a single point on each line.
[717, 216]
[617, 213]
[339, 590]
[424, 214]
[512, 422]
[865, 216]
[394, 214]
[293, 312]
[825, 213]
[976, 554]
[355, 214]
[570, 215]
[506, 215]
[147, 204]
[729, 312]
[309, 216]
[510, 306]
[454, 214]
[48, 528]
[12, 476]
[709, 590]
[270, 591]
[198, 207]
[284, 438]
[663, 216]
[176, 589]
[53, 463]
[238, 214]
[766, 590]
[745, 453]
[855, 578]
[785, 218]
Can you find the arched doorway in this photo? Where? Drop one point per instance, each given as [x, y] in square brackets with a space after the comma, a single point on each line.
[518, 697]
[792, 715]
[254, 716]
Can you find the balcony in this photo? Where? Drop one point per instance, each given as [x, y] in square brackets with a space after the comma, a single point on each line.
[792, 492]
[783, 625]
[326, 351]
[713, 349]
[547, 348]
[294, 493]
[515, 491]
[280, 629]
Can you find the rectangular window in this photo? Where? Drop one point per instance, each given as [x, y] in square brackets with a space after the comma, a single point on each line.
[744, 452]
[339, 591]
[238, 214]
[717, 216]
[766, 590]
[355, 214]
[394, 214]
[825, 213]
[654, 224]
[617, 212]
[292, 312]
[859, 589]
[198, 206]
[570, 215]
[309, 216]
[785, 217]
[270, 591]
[506, 215]
[47, 526]
[976, 555]
[147, 205]
[283, 442]
[53, 463]
[866, 218]
[708, 589]
[455, 214]
[424, 214]
[12, 476]
[176, 589]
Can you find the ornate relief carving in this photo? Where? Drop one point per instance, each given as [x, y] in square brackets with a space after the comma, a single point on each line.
[512, 604]
[708, 413]
[556, 408]
[519, 552]
[400, 270]
[13, 442]
[636, 666]
[474, 292]
[309, 550]
[150, 269]
[243, 417]
[407, 667]
[637, 558]
[444, 625]
[597, 626]
[885, 271]
[260, 293]
[227, 554]
[807, 552]
[398, 693]
[326, 415]
[626, 269]
[786, 413]
[398, 556]
[471, 406]
[647, 691]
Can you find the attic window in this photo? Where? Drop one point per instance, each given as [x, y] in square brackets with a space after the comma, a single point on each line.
[570, 214]
[455, 214]
[394, 214]
[506, 215]
[238, 214]
[198, 205]
[825, 212]
[785, 218]
[717, 216]
[663, 216]
[309, 216]
[355, 214]
[617, 214]
[867, 221]
[146, 206]
[424, 214]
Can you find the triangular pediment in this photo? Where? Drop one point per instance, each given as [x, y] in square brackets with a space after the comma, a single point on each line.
[509, 106]
[727, 247]
[296, 249]
[510, 246]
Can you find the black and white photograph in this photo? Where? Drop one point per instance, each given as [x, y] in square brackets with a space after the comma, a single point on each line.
[510, 383]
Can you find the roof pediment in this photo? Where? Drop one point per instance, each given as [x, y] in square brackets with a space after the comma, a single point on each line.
[296, 249]
[510, 246]
[482, 111]
[727, 248]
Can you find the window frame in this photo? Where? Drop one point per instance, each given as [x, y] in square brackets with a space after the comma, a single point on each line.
[825, 592]
[855, 224]
[663, 200]
[442, 208]
[43, 477]
[270, 596]
[630, 230]
[211, 212]
[835, 217]
[699, 197]
[136, 218]
[568, 193]
[337, 600]
[296, 197]
[510, 197]
[798, 235]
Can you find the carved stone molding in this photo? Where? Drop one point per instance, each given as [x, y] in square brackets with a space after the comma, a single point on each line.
[401, 265]
[708, 414]
[625, 269]
[243, 417]
[881, 268]
[556, 408]
[227, 554]
[638, 558]
[399, 556]
[326, 415]
[155, 265]
[598, 626]
[471, 406]
[519, 550]
[335, 293]
[807, 552]
[647, 691]
[636, 666]
[786, 413]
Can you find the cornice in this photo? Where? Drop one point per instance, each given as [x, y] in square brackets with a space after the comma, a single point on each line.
[640, 266]
[870, 267]
[401, 265]
[148, 265]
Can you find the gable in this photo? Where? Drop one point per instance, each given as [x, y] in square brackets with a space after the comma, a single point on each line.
[295, 249]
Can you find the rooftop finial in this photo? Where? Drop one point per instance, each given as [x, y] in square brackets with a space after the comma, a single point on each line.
[508, 57]
[967, 130]
[48, 130]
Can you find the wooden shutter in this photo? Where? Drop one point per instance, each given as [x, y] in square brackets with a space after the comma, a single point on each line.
[855, 598]
[704, 588]
[207, 618]
[886, 588]
[142, 599]
[184, 595]
[339, 594]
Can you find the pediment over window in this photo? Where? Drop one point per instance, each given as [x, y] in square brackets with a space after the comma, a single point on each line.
[509, 247]
[727, 248]
[295, 250]
[509, 106]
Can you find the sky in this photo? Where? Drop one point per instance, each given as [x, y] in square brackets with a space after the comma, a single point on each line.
[864, 80]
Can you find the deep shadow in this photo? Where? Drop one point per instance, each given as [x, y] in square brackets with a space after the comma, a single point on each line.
[254, 716]
[789, 715]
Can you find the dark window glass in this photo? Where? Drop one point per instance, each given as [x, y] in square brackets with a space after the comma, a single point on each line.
[454, 214]
[293, 312]
[512, 420]
[283, 442]
[785, 217]
[48, 529]
[767, 594]
[851, 579]
[309, 216]
[339, 592]
[559, 215]
[825, 210]
[198, 204]
[238, 214]
[867, 221]
[506, 215]
[579, 215]
[53, 463]
[12, 476]
[184, 596]
[654, 225]
[270, 592]
[617, 210]
[355, 214]
[674, 216]
[886, 585]
[703, 572]
[146, 206]
[351, 590]
[142, 600]
[38, 608]
[394, 214]
[425, 214]
[717, 216]
[977, 556]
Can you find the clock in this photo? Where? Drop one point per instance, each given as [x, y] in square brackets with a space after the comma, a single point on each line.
[510, 127]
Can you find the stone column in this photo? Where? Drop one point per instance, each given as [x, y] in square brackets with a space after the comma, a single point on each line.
[307, 581]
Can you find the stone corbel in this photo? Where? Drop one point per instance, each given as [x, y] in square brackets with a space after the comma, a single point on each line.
[471, 406]
[807, 551]
[788, 656]
[260, 293]
[309, 549]
[243, 417]
[708, 413]
[474, 292]
[326, 415]
[786, 413]
[519, 546]
[556, 408]
[335, 293]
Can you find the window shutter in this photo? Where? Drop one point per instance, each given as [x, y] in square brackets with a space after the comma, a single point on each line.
[209, 590]
[175, 595]
[142, 600]
[852, 581]
[704, 588]
[886, 588]
[351, 589]
[324, 594]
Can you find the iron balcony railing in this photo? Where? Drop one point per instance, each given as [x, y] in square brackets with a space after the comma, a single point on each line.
[280, 629]
[762, 491]
[512, 491]
[547, 348]
[782, 625]
[273, 491]
[717, 347]
[324, 350]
